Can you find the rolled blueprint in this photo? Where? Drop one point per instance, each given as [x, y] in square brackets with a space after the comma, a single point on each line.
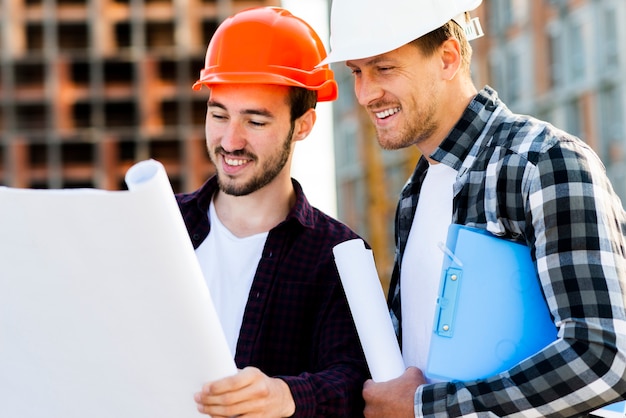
[361, 284]
[104, 311]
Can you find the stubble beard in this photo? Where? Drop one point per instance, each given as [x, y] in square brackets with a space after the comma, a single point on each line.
[268, 172]
[417, 125]
[420, 130]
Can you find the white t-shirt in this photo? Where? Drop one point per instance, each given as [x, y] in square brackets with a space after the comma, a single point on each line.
[228, 264]
[421, 263]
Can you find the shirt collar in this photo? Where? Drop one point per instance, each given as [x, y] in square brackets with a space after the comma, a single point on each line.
[301, 212]
[457, 145]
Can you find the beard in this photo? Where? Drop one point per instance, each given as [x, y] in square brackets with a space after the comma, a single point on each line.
[268, 171]
[418, 121]
[410, 133]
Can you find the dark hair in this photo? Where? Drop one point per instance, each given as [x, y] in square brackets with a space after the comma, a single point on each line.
[301, 100]
[430, 42]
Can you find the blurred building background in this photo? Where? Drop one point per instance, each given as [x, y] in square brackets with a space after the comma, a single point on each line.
[89, 87]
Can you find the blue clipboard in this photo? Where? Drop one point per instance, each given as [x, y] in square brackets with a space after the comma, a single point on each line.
[615, 410]
[491, 313]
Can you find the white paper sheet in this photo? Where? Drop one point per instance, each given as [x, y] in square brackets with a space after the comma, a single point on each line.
[364, 292]
[103, 308]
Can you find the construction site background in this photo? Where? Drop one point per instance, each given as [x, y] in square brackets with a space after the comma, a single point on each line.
[89, 87]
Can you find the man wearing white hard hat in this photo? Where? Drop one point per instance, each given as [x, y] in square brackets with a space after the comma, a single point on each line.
[486, 167]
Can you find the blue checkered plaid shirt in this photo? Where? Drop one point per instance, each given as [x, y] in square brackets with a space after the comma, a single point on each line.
[524, 179]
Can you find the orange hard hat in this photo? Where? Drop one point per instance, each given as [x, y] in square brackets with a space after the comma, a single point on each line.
[268, 45]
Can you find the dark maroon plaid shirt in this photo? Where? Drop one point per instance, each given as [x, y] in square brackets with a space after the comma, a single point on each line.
[297, 324]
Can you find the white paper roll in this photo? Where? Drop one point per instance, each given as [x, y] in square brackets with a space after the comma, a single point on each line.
[364, 292]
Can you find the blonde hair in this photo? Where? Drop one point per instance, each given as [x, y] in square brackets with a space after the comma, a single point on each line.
[430, 42]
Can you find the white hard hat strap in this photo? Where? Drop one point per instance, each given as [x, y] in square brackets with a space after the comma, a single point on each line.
[473, 29]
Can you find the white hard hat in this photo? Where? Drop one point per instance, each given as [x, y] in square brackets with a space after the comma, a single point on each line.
[366, 28]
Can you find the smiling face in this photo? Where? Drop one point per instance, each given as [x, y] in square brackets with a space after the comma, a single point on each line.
[249, 135]
[401, 91]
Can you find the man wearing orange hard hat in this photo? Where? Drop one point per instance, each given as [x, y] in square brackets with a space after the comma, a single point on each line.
[484, 167]
[265, 252]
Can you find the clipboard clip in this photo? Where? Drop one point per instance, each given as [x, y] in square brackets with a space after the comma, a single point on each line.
[449, 253]
[446, 302]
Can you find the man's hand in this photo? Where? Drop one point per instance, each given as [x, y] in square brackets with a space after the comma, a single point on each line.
[393, 398]
[250, 393]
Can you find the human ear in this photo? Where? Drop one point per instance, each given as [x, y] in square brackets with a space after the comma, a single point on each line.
[304, 125]
[450, 58]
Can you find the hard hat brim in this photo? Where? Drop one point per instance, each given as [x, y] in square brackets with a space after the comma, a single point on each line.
[327, 91]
